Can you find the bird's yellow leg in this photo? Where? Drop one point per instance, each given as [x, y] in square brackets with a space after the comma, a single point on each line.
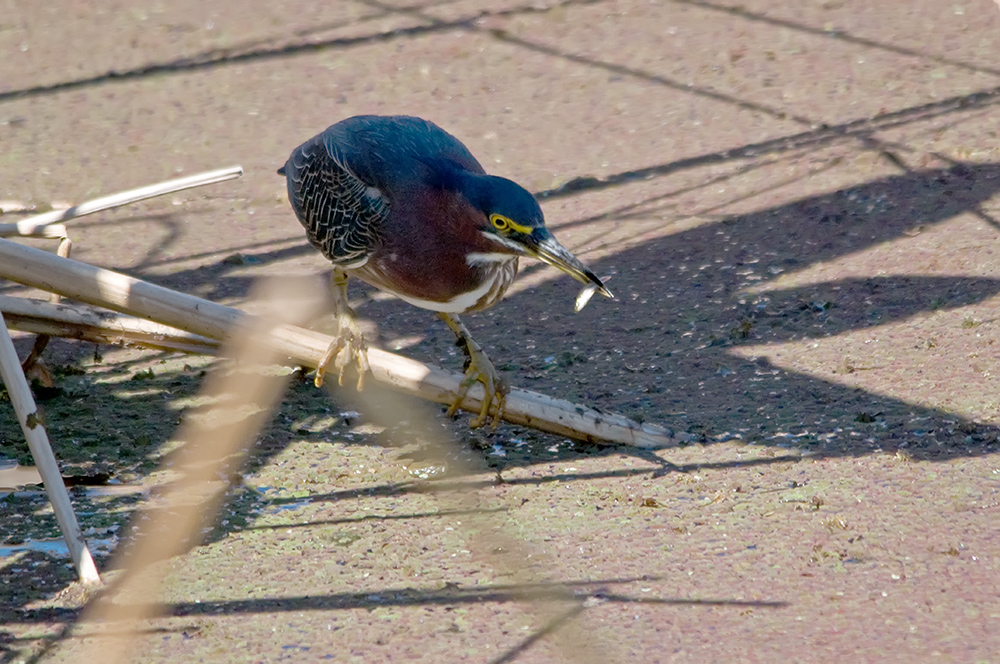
[349, 346]
[480, 369]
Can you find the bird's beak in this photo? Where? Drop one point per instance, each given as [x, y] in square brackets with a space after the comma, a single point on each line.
[546, 248]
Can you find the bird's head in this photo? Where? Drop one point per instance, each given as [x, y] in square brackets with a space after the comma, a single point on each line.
[513, 223]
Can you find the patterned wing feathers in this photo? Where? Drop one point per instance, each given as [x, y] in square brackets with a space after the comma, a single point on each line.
[342, 214]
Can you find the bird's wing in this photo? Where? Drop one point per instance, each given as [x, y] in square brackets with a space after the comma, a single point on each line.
[342, 214]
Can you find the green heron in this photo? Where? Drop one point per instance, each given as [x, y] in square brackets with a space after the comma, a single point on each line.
[402, 205]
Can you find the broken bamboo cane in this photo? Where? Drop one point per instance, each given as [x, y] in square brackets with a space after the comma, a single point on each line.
[98, 326]
[119, 292]
[35, 226]
[38, 442]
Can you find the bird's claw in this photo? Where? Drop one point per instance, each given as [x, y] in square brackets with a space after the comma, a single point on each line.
[348, 348]
[496, 388]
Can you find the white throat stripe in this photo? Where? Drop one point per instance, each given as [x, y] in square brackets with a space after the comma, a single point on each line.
[480, 258]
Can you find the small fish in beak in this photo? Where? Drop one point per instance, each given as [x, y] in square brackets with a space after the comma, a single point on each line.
[546, 248]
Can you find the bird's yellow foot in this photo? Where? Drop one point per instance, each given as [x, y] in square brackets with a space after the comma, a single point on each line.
[479, 369]
[349, 347]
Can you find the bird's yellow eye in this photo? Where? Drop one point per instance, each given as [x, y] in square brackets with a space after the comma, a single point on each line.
[500, 222]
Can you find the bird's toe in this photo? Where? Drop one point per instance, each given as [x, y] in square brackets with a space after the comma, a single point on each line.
[347, 349]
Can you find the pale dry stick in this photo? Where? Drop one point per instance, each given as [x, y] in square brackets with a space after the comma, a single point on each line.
[119, 292]
[7, 206]
[49, 231]
[33, 224]
[38, 442]
[98, 326]
[216, 442]
[42, 340]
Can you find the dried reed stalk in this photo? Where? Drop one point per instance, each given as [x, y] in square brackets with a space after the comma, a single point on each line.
[40, 225]
[98, 326]
[38, 442]
[126, 294]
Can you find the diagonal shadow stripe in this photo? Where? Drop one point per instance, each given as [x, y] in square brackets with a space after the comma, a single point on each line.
[449, 595]
[225, 57]
[838, 35]
[821, 136]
